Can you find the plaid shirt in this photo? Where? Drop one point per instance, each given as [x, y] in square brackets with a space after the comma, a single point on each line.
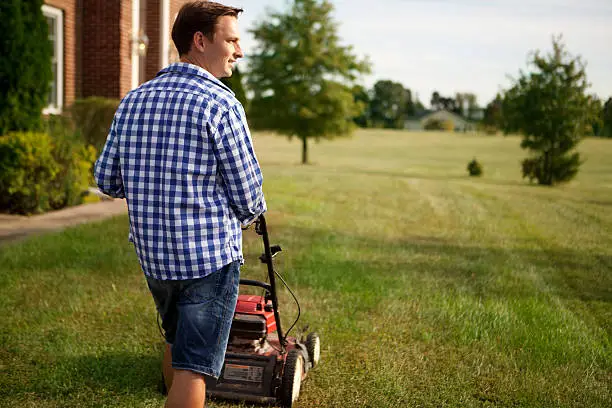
[180, 152]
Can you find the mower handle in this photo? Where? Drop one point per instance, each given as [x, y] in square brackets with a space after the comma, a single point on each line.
[269, 252]
[250, 282]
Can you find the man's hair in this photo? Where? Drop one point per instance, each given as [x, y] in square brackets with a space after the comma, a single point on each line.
[199, 16]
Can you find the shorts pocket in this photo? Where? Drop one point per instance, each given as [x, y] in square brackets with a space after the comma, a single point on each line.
[202, 290]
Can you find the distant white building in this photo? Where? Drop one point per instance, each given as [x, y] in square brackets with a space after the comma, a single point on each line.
[454, 121]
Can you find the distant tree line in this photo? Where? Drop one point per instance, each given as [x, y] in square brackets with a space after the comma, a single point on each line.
[388, 104]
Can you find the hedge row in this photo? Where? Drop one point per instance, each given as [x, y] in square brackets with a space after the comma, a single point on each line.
[52, 169]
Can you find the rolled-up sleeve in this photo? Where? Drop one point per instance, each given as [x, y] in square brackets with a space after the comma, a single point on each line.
[239, 167]
[107, 170]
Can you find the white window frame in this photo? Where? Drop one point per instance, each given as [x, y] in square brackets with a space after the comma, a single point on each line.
[135, 32]
[164, 14]
[58, 15]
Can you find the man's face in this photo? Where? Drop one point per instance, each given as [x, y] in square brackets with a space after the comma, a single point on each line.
[220, 55]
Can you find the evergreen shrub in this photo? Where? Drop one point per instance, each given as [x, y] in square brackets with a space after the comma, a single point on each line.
[93, 117]
[474, 168]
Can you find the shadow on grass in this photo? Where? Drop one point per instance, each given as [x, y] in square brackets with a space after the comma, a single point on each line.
[107, 373]
[580, 274]
[480, 271]
[457, 289]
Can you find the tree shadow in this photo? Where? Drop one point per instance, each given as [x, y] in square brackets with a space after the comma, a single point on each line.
[118, 373]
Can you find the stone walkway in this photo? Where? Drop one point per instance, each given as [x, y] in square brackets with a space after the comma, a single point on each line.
[14, 227]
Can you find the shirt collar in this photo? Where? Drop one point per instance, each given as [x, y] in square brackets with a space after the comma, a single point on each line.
[186, 68]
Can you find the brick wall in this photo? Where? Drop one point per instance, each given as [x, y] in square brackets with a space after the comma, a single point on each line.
[98, 45]
[153, 30]
[175, 6]
[71, 48]
[101, 48]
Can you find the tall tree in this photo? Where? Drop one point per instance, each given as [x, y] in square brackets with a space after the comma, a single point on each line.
[25, 64]
[435, 101]
[389, 104]
[439, 102]
[235, 84]
[301, 76]
[472, 105]
[465, 104]
[418, 105]
[450, 104]
[493, 113]
[362, 97]
[597, 125]
[551, 108]
[460, 104]
[607, 118]
[410, 107]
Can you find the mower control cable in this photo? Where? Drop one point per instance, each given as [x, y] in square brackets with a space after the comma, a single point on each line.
[299, 311]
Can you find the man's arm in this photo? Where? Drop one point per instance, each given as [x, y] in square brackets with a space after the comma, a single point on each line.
[107, 170]
[239, 167]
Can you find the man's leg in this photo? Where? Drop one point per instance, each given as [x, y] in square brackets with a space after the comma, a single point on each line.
[167, 367]
[188, 390]
[205, 310]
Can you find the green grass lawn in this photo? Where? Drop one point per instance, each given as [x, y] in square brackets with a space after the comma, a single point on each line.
[429, 288]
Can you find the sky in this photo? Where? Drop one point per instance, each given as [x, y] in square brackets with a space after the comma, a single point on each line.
[460, 45]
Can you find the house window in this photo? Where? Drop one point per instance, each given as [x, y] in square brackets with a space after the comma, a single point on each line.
[55, 20]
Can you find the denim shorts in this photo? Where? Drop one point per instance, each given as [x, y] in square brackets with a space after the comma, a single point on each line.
[196, 317]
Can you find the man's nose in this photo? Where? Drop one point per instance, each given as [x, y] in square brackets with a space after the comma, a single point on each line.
[238, 51]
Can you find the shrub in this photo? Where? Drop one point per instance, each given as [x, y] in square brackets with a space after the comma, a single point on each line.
[474, 168]
[39, 172]
[93, 117]
[439, 124]
[25, 65]
[490, 130]
[448, 125]
[433, 124]
[75, 160]
[27, 167]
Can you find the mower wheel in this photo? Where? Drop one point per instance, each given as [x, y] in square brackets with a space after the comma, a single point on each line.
[313, 345]
[292, 378]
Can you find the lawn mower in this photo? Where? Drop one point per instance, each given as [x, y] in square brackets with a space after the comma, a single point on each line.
[263, 364]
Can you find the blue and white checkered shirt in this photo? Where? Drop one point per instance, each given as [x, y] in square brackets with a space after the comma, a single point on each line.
[180, 152]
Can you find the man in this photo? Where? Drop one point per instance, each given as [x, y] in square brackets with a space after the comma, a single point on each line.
[179, 151]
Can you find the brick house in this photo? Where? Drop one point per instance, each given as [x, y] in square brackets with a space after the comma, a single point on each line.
[107, 47]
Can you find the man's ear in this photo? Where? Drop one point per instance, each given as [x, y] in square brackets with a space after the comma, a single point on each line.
[199, 41]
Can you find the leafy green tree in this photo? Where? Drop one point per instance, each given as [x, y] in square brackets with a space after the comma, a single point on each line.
[607, 118]
[493, 114]
[435, 101]
[597, 125]
[461, 103]
[465, 104]
[418, 105]
[235, 84]
[551, 108]
[25, 64]
[362, 97]
[390, 104]
[472, 105]
[439, 102]
[300, 75]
